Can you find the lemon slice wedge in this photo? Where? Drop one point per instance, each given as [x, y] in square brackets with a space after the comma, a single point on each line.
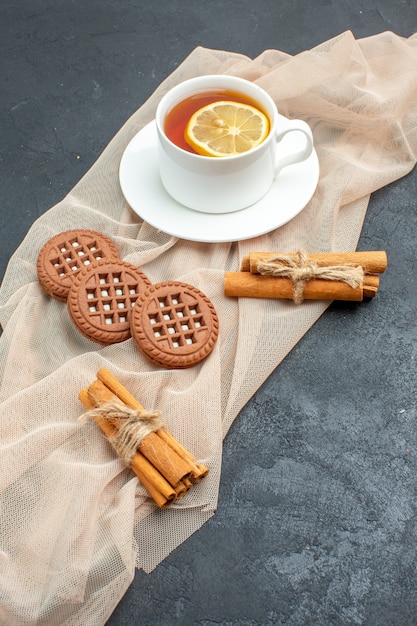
[226, 128]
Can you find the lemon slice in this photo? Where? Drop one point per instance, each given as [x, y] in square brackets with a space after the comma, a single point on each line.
[226, 128]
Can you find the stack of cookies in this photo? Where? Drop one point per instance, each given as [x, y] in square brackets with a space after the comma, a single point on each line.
[173, 324]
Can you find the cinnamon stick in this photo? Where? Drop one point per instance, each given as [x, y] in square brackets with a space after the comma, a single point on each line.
[248, 285]
[115, 386]
[158, 488]
[182, 488]
[372, 262]
[370, 286]
[198, 470]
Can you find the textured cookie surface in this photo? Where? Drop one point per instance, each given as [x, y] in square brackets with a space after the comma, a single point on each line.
[174, 325]
[63, 256]
[101, 299]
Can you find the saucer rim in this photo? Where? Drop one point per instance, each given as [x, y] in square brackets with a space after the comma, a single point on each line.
[145, 140]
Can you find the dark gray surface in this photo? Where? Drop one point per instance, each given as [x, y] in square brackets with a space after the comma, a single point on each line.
[316, 521]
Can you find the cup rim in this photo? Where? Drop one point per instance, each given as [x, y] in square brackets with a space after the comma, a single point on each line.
[213, 78]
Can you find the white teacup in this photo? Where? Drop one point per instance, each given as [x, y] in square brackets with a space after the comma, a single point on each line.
[231, 183]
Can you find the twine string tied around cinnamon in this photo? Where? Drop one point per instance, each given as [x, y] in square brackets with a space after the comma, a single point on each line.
[133, 426]
[301, 269]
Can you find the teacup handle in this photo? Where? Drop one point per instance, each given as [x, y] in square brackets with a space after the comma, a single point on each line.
[298, 155]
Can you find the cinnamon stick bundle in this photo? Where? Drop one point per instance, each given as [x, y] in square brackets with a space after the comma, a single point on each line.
[350, 276]
[165, 468]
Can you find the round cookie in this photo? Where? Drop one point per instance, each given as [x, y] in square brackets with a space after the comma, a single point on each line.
[174, 325]
[101, 298]
[63, 256]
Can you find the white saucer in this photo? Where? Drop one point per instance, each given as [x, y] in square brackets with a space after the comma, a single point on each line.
[142, 188]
